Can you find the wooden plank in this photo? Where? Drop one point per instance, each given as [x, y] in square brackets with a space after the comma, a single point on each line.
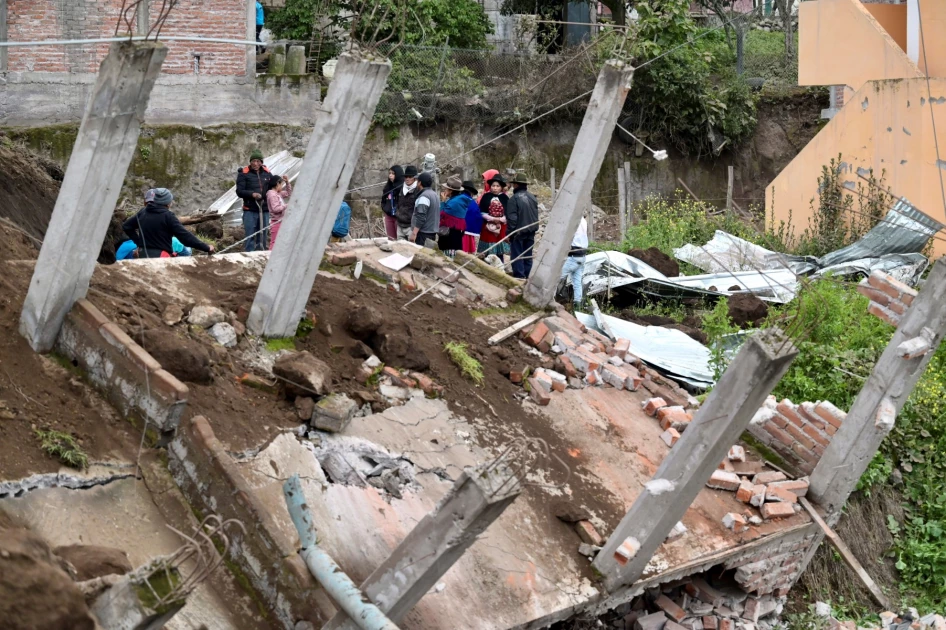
[506, 333]
[599, 319]
[847, 555]
[627, 194]
[729, 191]
[622, 201]
[687, 188]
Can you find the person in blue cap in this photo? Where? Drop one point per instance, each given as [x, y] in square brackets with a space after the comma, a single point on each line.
[153, 227]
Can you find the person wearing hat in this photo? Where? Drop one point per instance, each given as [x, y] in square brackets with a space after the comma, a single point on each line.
[474, 222]
[493, 212]
[153, 228]
[522, 222]
[252, 184]
[425, 224]
[452, 216]
[406, 200]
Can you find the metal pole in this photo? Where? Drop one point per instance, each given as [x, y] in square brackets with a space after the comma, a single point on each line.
[622, 214]
[729, 192]
[336, 583]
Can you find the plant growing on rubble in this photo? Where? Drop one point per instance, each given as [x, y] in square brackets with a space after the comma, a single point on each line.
[469, 367]
[717, 325]
[63, 447]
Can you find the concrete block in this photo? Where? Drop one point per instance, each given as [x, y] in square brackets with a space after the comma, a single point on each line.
[652, 405]
[722, 480]
[334, 412]
[777, 510]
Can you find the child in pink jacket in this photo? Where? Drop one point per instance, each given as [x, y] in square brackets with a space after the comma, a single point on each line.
[276, 197]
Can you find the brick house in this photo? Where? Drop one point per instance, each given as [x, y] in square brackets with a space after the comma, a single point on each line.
[201, 82]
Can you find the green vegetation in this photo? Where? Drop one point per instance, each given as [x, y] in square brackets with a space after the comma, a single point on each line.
[63, 446]
[469, 367]
[281, 343]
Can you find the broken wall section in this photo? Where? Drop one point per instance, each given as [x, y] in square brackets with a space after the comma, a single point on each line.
[129, 378]
[798, 433]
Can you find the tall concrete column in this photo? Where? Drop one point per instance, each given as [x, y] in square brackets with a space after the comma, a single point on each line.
[602, 113]
[103, 150]
[874, 411]
[752, 375]
[251, 36]
[437, 542]
[341, 123]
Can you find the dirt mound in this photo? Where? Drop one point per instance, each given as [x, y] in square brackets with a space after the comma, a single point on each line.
[363, 321]
[179, 355]
[34, 591]
[92, 561]
[29, 188]
[658, 260]
[694, 333]
[746, 309]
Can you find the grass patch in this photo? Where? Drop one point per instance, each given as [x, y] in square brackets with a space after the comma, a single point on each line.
[767, 454]
[469, 367]
[375, 376]
[63, 446]
[281, 343]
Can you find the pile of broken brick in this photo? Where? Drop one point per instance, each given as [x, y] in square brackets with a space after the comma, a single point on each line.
[693, 604]
[581, 357]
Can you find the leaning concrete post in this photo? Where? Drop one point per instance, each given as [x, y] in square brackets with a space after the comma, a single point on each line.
[476, 500]
[579, 176]
[874, 411]
[100, 158]
[755, 371]
[341, 123]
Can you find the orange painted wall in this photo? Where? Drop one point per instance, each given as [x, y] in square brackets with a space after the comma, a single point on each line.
[893, 17]
[886, 126]
[933, 17]
[841, 43]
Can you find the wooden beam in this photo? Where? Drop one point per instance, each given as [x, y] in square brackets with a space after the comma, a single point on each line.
[847, 556]
[506, 333]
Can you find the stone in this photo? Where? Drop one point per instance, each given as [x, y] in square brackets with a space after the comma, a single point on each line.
[305, 406]
[334, 412]
[587, 532]
[92, 561]
[372, 362]
[206, 316]
[589, 551]
[723, 480]
[569, 512]
[363, 321]
[396, 348]
[360, 350]
[302, 374]
[394, 392]
[224, 334]
[172, 315]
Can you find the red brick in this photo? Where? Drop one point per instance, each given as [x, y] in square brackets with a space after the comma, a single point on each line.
[735, 522]
[595, 345]
[777, 510]
[800, 436]
[543, 379]
[547, 342]
[516, 375]
[668, 415]
[809, 415]
[537, 334]
[797, 486]
[88, 313]
[592, 377]
[583, 360]
[787, 410]
[115, 336]
[344, 259]
[407, 281]
[830, 414]
[425, 383]
[559, 386]
[779, 494]
[723, 480]
[897, 307]
[539, 395]
[779, 434]
[670, 436]
[873, 294]
[737, 453]
[137, 355]
[884, 313]
[605, 342]
[907, 297]
[564, 341]
[652, 405]
[744, 493]
[710, 622]
[164, 381]
[816, 435]
[725, 624]
[805, 454]
[621, 348]
[670, 607]
[571, 320]
[726, 465]
[397, 378]
[769, 476]
[569, 367]
[613, 375]
[634, 378]
[889, 285]
[588, 533]
[830, 430]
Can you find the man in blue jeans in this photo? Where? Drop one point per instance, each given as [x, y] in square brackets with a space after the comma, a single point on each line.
[522, 221]
[252, 184]
[574, 266]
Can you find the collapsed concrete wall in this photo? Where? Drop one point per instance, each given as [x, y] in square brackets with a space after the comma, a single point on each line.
[128, 377]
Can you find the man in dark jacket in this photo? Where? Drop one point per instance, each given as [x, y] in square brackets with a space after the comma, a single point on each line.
[522, 213]
[153, 226]
[426, 219]
[251, 186]
[405, 204]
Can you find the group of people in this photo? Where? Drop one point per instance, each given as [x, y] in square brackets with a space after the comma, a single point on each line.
[461, 218]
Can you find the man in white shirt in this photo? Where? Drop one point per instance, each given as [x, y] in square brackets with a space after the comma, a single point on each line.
[575, 263]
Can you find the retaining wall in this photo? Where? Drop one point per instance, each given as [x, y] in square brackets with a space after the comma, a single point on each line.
[129, 378]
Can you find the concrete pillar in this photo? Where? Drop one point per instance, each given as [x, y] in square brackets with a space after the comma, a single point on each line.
[602, 113]
[4, 34]
[250, 36]
[341, 123]
[752, 375]
[874, 411]
[437, 542]
[295, 60]
[103, 150]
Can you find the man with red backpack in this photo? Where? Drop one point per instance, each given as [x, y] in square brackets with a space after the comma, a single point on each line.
[252, 184]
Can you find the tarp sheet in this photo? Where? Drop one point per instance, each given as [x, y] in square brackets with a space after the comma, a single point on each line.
[673, 352]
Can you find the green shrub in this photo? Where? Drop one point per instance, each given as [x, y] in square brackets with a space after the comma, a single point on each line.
[63, 446]
[469, 366]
